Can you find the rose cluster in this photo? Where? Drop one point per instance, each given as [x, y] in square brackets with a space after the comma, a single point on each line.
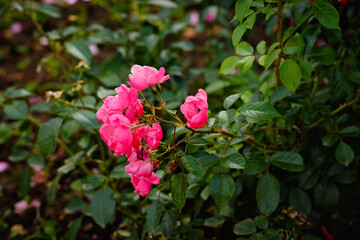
[124, 134]
[122, 131]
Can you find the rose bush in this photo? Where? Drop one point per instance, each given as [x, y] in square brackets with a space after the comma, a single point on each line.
[251, 132]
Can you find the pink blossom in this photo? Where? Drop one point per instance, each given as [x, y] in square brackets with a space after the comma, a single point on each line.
[195, 110]
[43, 41]
[235, 71]
[152, 134]
[71, 2]
[134, 111]
[143, 185]
[144, 76]
[210, 17]
[118, 139]
[4, 166]
[194, 18]
[21, 206]
[320, 42]
[117, 104]
[35, 203]
[95, 171]
[94, 49]
[138, 167]
[16, 28]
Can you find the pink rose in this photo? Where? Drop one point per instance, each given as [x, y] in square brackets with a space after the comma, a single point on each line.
[194, 18]
[117, 104]
[143, 185]
[4, 166]
[134, 111]
[143, 77]
[210, 17]
[195, 110]
[138, 167]
[152, 134]
[118, 139]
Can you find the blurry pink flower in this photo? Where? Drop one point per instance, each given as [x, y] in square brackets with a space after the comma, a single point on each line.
[94, 49]
[35, 203]
[16, 28]
[94, 236]
[35, 100]
[195, 110]
[235, 71]
[43, 41]
[95, 171]
[20, 206]
[194, 18]
[210, 17]
[4, 166]
[71, 2]
[143, 185]
[144, 76]
[320, 42]
[38, 177]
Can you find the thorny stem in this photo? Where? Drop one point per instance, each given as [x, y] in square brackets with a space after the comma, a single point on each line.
[341, 107]
[279, 38]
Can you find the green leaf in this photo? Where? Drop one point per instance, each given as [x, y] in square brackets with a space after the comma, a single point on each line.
[270, 57]
[244, 49]
[70, 163]
[350, 131]
[119, 172]
[344, 154]
[235, 161]
[192, 165]
[237, 34]
[216, 86]
[300, 201]
[230, 100]
[259, 111]
[79, 49]
[267, 193]
[289, 161]
[245, 227]
[261, 222]
[250, 20]
[222, 188]
[74, 229]
[164, 4]
[241, 8]
[51, 191]
[24, 183]
[50, 10]
[75, 205]
[329, 140]
[36, 160]
[245, 64]
[167, 225]
[323, 54]
[326, 14]
[306, 69]
[261, 47]
[229, 64]
[92, 181]
[290, 74]
[178, 190]
[294, 44]
[258, 3]
[103, 206]
[154, 214]
[47, 136]
[86, 119]
[17, 110]
[12, 92]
